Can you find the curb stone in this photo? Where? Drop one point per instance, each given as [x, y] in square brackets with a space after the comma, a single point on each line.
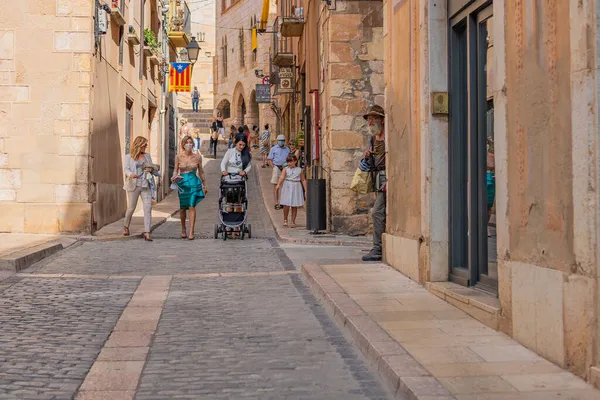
[405, 377]
[24, 258]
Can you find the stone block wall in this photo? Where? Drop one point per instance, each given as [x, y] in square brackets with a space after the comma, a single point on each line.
[352, 80]
[45, 52]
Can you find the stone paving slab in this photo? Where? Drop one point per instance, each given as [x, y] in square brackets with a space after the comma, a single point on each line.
[162, 257]
[255, 337]
[426, 347]
[52, 330]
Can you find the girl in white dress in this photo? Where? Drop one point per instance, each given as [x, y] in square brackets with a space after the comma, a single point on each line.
[293, 189]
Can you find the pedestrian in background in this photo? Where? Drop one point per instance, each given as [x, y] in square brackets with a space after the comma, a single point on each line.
[138, 163]
[292, 188]
[247, 133]
[276, 159]
[231, 138]
[265, 145]
[374, 162]
[196, 139]
[220, 126]
[255, 135]
[195, 99]
[189, 177]
[184, 130]
[214, 138]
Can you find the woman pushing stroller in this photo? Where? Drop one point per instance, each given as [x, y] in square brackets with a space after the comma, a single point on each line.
[236, 162]
[232, 202]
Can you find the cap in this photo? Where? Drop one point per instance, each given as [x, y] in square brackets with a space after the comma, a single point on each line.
[375, 111]
[280, 137]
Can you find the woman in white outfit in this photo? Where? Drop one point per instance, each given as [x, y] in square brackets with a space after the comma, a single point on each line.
[237, 161]
[293, 189]
[137, 165]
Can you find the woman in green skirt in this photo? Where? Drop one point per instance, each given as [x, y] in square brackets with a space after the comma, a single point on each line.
[189, 177]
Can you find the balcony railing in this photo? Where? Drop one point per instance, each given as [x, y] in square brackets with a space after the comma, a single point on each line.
[283, 55]
[292, 18]
[180, 25]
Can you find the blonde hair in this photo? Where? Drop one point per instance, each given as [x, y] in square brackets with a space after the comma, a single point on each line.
[196, 133]
[184, 140]
[136, 147]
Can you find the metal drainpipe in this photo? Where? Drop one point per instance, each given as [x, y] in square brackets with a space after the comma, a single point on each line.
[163, 126]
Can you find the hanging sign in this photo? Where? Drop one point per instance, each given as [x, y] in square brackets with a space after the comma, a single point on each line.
[286, 80]
[263, 93]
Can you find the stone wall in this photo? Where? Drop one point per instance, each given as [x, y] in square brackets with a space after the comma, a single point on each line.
[59, 171]
[352, 65]
[45, 50]
[544, 85]
[548, 243]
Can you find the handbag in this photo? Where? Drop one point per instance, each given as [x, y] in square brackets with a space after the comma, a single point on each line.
[130, 184]
[362, 183]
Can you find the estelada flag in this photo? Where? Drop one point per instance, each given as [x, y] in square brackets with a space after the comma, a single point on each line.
[180, 77]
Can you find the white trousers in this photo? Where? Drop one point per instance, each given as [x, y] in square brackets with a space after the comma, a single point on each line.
[132, 200]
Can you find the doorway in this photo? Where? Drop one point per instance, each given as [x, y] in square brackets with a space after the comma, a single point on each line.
[472, 181]
[128, 123]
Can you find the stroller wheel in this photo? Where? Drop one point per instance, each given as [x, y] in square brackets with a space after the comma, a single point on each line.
[216, 231]
[224, 234]
[249, 231]
[242, 231]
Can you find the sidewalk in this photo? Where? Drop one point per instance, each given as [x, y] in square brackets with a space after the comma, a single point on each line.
[425, 348]
[160, 213]
[299, 234]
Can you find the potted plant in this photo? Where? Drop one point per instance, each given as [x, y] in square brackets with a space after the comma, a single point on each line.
[132, 36]
[151, 45]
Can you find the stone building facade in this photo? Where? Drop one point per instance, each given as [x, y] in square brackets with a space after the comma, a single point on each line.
[339, 57]
[492, 133]
[237, 68]
[71, 100]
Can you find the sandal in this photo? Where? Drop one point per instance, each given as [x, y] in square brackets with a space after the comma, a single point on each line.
[277, 206]
[147, 237]
[184, 235]
[126, 231]
[293, 225]
[191, 237]
[285, 223]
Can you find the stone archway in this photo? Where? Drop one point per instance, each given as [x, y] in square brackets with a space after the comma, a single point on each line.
[253, 115]
[239, 105]
[224, 108]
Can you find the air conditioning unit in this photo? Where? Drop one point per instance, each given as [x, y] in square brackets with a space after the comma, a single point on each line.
[102, 22]
[299, 13]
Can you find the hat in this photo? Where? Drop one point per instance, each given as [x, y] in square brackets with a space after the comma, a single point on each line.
[375, 111]
[280, 137]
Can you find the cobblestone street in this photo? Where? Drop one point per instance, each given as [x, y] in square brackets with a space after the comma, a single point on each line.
[174, 318]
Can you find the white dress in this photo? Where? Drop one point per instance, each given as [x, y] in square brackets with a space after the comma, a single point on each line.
[292, 193]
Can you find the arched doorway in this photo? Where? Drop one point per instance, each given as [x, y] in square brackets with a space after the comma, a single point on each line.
[253, 116]
[224, 108]
[239, 105]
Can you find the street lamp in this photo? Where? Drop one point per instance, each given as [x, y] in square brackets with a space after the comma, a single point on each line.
[193, 48]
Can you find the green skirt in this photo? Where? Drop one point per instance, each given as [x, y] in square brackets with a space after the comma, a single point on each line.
[190, 191]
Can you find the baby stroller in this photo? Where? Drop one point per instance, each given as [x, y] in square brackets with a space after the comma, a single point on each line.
[233, 205]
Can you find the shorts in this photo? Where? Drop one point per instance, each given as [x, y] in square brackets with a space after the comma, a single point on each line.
[222, 132]
[275, 175]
